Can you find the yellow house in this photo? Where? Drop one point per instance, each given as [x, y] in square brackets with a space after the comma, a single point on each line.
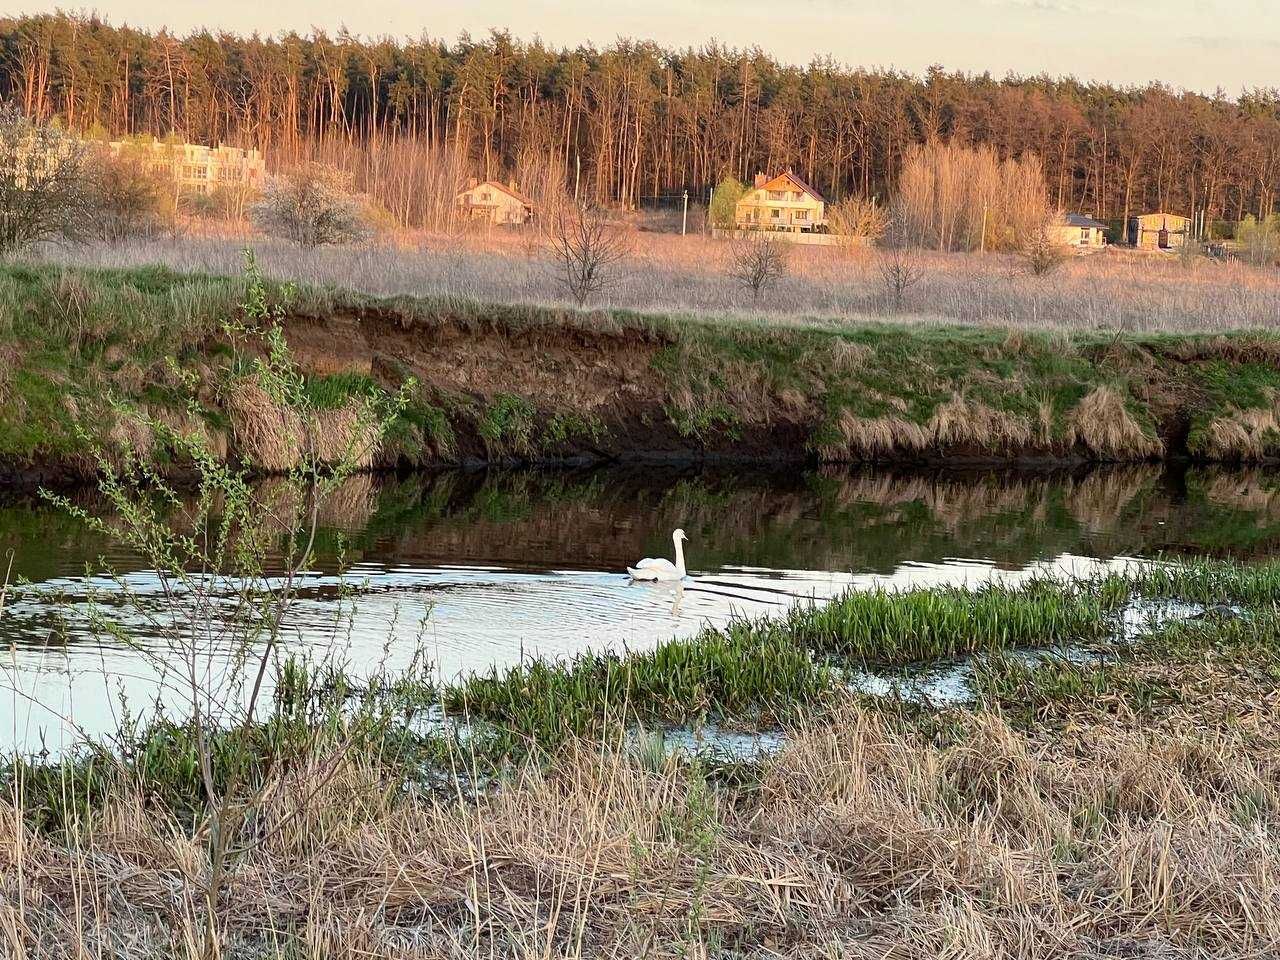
[1158, 231]
[784, 203]
[1081, 232]
[495, 202]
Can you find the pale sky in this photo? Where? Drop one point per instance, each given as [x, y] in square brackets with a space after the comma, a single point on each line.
[1197, 44]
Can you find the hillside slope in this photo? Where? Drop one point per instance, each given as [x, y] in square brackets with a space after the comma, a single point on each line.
[81, 349]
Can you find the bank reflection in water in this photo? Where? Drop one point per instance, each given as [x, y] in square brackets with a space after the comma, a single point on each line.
[474, 569]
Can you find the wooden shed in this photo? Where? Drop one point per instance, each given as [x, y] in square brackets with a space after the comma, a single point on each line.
[495, 202]
[1158, 231]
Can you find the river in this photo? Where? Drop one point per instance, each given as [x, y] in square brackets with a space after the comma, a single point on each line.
[474, 569]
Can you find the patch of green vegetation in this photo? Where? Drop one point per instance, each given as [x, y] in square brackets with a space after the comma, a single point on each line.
[704, 421]
[567, 427]
[507, 425]
[724, 674]
[888, 628]
[336, 390]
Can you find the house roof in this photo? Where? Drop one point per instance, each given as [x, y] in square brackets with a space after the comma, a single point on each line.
[797, 182]
[499, 185]
[1080, 220]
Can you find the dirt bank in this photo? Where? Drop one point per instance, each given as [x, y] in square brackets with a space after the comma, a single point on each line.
[85, 355]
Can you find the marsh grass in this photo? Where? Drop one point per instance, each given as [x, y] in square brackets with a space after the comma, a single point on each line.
[733, 675]
[1099, 805]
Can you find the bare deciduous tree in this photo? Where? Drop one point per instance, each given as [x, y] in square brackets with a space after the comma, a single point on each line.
[757, 261]
[587, 248]
[312, 206]
[44, 192]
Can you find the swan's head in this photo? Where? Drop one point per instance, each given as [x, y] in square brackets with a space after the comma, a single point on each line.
[679, 535]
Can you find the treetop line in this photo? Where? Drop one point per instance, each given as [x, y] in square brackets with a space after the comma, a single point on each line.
[634, 119]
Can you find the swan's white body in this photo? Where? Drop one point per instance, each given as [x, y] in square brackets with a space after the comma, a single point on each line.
[661, 568]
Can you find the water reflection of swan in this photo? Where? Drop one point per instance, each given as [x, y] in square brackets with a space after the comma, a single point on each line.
[662, 568]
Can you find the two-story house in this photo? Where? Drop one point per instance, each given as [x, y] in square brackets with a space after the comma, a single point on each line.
[785, 204]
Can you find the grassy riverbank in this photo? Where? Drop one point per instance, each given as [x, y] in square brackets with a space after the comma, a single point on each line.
[509, 382]
[1116, 804]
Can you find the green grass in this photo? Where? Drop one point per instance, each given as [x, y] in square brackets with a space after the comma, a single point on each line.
[881, 628]
[727, 675]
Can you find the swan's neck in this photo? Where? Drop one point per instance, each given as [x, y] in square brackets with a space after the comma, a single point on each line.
[679, 555]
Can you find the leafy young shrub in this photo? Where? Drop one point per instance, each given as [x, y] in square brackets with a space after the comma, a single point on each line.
[229, 563]
[311, 205]
[724, 202]
[1259, 240]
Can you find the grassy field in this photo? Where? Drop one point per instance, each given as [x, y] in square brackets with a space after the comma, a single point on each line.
[108, 354]
[1114, 806]
[1118, 291]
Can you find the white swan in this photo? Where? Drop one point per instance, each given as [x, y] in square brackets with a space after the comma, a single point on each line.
[662, 568]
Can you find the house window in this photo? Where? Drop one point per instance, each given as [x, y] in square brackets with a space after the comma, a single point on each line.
[485, 195]
[802, 214]
[776, 194]
[796, 196]
[776, 214]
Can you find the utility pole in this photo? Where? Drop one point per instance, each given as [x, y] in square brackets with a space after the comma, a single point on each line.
[684, 219]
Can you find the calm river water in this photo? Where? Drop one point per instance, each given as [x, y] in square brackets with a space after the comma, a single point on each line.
[470, 570]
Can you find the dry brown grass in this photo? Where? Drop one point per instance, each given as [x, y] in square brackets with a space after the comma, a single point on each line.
[1103, 424]
[275, 439]
[1115, 290]
[1249, 434]
[957, 426]
[864, 838]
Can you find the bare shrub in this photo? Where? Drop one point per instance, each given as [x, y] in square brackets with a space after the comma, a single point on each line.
[587, 248]
[857, 221]
[44, 191]
[900, 270]
[1043, 250]
[128, 199]
[757, 262]
[312, 206]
